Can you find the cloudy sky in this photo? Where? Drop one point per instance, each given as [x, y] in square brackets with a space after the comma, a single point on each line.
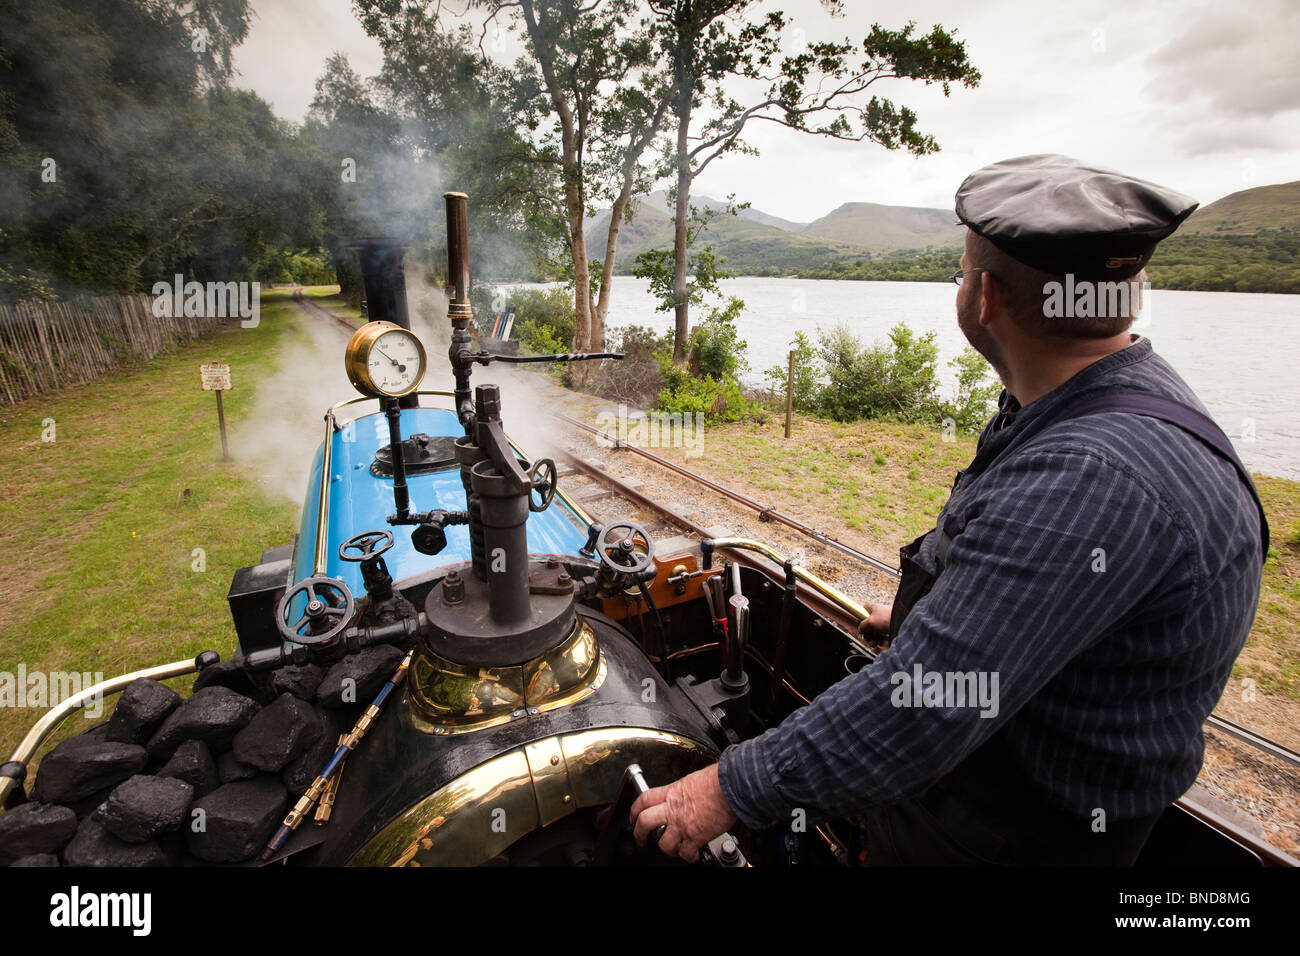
[1199, 95]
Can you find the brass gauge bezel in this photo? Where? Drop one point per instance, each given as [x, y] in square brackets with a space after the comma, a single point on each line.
[357, 359]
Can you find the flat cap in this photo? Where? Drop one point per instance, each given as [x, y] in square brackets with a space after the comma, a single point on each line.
[1062, 216]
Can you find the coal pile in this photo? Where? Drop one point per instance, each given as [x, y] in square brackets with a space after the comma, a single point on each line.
[169, 781]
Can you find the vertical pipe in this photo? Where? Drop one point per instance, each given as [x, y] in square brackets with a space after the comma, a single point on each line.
[459, 311]
[789, 396]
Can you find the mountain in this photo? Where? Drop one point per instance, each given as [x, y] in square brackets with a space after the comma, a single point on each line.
[879, 228]
[751, 244]
[1247, 211]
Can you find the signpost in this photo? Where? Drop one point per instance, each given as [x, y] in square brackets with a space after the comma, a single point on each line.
[215, 377]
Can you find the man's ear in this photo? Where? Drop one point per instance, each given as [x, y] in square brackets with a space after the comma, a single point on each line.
[993, 297]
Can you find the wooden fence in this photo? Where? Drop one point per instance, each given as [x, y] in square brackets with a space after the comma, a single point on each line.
[49, 345]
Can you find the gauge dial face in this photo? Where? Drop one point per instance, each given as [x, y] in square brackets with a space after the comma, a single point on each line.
[385, 360]
[396, 362]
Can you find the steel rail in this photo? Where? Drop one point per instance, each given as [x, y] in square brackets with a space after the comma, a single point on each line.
[765, 512]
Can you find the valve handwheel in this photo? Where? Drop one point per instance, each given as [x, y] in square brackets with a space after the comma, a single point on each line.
[544, 477]
[327, 612]
[362, 546]
[617, 548]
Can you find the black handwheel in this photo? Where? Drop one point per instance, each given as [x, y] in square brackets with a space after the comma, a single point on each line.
[616, 547]
[544, 478]
[359, 547]
[328, 611]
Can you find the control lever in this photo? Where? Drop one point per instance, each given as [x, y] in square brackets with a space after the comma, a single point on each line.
[723, 850]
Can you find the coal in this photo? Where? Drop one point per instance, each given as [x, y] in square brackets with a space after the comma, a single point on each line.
[231, 675]
[88, 805]
[301, 681]
[193, 764]
[141, 708]
[278, 734]
[143, 807]
[213, 715]
[37, 859]
[300, 774]
[358, 677]
[237, 820]
[35, 828]
[229, 769]
[95, 846]
[80, 766]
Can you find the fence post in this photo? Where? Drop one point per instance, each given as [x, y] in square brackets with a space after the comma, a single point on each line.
[789, 395]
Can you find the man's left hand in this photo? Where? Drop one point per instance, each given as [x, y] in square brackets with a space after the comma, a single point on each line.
[693, 809]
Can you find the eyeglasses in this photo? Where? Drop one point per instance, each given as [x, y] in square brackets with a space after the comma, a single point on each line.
[959, 276]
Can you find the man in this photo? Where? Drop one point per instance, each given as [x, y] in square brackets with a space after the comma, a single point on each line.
[1097, 567]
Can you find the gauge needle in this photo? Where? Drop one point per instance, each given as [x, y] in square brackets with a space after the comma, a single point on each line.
[400, 368]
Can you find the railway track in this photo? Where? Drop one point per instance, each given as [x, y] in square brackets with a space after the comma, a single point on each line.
[588, 478]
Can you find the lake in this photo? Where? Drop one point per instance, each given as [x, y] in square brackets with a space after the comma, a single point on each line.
[1240, 352]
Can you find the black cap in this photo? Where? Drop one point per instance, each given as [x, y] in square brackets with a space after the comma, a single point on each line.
[1062, 216]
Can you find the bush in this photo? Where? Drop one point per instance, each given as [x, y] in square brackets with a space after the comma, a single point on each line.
[717, 401]
[976, 396]
[847, 381]
[552, 308]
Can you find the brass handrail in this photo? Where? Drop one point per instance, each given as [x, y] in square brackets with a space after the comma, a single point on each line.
[831, 593]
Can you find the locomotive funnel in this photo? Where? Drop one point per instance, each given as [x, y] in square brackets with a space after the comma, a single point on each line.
[384, 278]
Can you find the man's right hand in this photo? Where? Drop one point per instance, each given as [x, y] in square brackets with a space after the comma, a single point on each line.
[876, 625]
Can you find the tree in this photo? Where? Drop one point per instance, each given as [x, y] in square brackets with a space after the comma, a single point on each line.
[592, 77]
[819, 90]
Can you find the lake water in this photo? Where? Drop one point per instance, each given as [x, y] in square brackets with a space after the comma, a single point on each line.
[1239, 352]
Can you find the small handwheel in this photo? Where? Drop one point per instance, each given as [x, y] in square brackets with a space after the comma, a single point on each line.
[545, 479]
[616, 547]
[328, 611]
[359, 547]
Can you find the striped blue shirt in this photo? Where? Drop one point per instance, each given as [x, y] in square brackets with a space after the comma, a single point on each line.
[1106, 577]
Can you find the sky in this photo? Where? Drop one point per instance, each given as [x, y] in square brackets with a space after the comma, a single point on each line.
[1198, 95]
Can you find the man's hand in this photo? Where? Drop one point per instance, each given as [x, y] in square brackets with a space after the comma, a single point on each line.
[693, 808]
[876, 626]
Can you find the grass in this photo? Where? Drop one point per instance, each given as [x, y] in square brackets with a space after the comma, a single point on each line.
[121, 536]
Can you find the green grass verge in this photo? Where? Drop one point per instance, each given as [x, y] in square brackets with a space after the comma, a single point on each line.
[102, 527]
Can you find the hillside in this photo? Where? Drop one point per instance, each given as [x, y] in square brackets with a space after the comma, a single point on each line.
[879, 228]
[750, 246]
[1248, 211]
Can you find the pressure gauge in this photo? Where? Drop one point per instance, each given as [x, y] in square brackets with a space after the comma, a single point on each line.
[385, 360]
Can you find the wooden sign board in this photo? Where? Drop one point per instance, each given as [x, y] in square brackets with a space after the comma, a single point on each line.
[215, 377]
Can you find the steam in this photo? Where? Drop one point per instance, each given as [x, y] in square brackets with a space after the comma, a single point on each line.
[279, 438]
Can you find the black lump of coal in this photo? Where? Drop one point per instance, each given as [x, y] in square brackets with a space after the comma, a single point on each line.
[81, 766]
[193, 764]
[278, 734]
[35, 828]
[141, 708]
[142, 807]
[95, 846]
[230, 674]
[299, 680]
[213, 715]
[357, 678]
[229, 769]
[37, 859]
[233, 822]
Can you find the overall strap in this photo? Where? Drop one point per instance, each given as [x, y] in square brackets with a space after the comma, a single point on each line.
[1176, 413]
